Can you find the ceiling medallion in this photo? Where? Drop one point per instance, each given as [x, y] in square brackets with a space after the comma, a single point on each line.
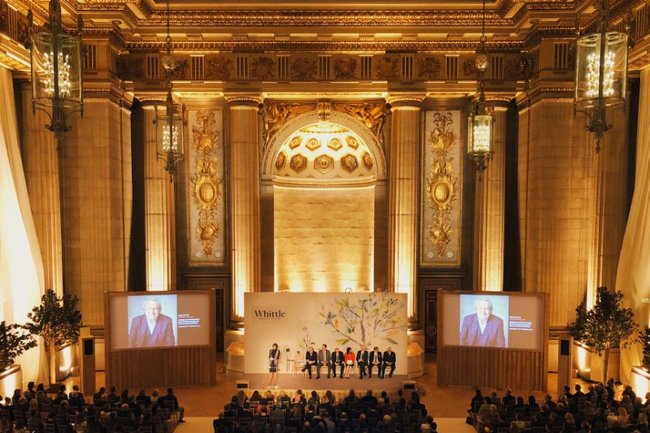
[295, 142]
[324, 163]
[280, 161]
[298, 163]
[352, 142]
[349, 162]
[367, 160]
[334, 144]
[313, 144]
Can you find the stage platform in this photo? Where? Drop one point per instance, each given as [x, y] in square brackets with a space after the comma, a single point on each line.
[204, 425]
[303, 382]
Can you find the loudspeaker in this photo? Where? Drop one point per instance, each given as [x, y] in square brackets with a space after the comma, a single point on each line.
[87, 365]
[408, 385]
[565, 347]
[242, 384]
[88, 347]
[564, 364]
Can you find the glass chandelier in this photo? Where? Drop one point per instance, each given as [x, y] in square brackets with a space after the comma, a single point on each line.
[601, 74]
[56, 70]
[170, 122]
[480, 122]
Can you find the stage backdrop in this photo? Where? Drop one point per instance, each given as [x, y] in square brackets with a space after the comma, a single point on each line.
[296, 320]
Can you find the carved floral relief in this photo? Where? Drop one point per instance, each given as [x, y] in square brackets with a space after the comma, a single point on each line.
[206, 195]
[442, 189]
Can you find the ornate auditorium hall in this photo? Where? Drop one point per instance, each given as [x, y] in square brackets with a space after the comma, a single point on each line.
[292, 216]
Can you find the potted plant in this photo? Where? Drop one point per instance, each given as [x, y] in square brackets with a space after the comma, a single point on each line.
[57, 321]
[607, 325]
[14, 340]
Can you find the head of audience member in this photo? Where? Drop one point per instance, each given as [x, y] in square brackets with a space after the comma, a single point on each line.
[323, 347]
[348, 349]
[275, 346]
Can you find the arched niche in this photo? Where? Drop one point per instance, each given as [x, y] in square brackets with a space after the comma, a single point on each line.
[324, 224]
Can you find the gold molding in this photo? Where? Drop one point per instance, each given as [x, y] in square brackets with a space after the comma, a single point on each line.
[206, 182]
[276, 114]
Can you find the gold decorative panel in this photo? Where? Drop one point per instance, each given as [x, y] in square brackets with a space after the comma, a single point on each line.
[442, 189]
[206, 200]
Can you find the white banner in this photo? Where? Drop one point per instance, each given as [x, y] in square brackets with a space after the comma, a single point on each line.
[297, 320]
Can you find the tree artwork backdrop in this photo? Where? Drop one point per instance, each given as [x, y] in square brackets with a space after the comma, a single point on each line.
[296, 321]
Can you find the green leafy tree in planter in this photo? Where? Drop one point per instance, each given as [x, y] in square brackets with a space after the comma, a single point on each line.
[14, 340]
[605, 326]
[58, 321]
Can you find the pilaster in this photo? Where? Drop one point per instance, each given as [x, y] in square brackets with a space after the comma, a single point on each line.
[160, 222]
[489, 212]
[243, 130]
[403, 162]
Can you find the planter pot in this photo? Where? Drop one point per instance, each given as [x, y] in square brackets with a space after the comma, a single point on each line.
[641, 380]
[11, 379]
[67, 361]
[590, 366]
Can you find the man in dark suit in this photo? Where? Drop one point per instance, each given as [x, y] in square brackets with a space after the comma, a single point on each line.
[362, 361]
[324, 359]
[375, 362]
[151, 329]
[482, 328]
[337, 362]
[388, 360]
[311, 360]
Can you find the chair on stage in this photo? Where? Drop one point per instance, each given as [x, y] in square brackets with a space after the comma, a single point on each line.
[299, 363]
[290, 362]
[350, 369]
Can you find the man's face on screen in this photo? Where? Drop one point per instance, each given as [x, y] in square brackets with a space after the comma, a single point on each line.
[483, 310]
[152, 310]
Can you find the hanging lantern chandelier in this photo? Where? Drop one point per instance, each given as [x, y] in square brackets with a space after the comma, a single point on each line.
[480, 122]
[601, 74]
[56, 70]
[170, 122]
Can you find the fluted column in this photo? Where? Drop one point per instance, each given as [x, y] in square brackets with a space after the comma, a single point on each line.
[243, 129]
[42, 175]
[403, 197]
[160, 224]
[489, 213]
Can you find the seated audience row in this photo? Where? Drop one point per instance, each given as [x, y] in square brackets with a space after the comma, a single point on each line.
[34, 410]
[609, 408]
[314, 413]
